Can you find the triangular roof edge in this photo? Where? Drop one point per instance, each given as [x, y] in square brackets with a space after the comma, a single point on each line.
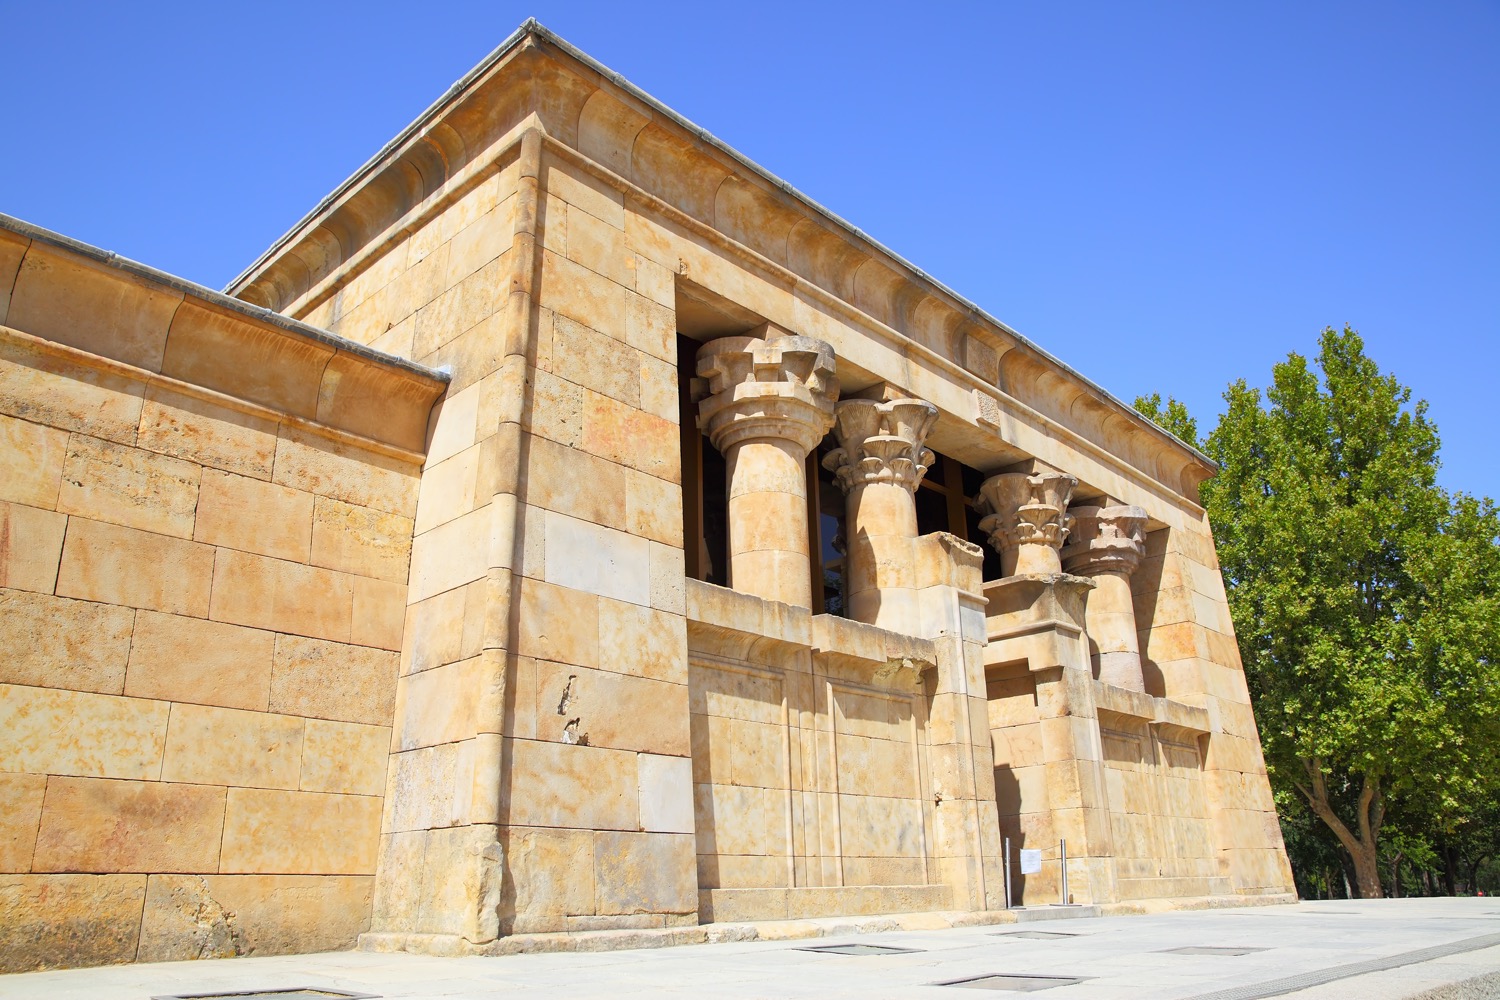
[532, 28]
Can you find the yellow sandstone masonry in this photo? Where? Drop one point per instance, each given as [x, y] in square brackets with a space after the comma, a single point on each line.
[569, 528]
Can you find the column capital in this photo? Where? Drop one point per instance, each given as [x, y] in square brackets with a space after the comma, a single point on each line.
[1105, 540]
[881, 442]
[1027, 520]
[780, 388]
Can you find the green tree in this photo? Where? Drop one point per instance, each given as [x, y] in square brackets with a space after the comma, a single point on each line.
[1362, 594]
[1172, 416]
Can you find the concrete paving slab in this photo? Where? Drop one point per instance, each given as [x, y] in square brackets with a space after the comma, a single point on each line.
[1419, 945]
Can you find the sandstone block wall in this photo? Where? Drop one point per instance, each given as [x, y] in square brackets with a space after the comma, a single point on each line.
[201, 601]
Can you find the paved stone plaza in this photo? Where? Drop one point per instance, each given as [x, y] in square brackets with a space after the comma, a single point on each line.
[1437, 948]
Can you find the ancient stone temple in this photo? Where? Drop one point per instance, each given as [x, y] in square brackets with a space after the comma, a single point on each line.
[570, 527]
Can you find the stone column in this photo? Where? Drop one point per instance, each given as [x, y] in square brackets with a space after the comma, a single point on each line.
[1027, 522]
[769, 403]
[1106, 544]
[879, 462]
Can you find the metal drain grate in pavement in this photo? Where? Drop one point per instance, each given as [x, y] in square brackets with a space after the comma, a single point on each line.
[861, 949]
[1207, 950]
[1014, 983]
[292, 993]
[1038, 935]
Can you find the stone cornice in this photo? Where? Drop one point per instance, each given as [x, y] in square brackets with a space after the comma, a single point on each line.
[587, 108]
[66, 296]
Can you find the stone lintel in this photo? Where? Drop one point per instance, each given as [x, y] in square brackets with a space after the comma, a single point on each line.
[1164, 712]
[742, 626]
[869, 654]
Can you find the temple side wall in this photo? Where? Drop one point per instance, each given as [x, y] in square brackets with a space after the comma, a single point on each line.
[200, 607]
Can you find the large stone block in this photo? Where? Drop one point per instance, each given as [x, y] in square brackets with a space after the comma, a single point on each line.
[30, 547]
[449, 490]
[575, 483]
[193, 660]
[452, 554]
[571, 786]
[51, 731]
[31, 462]
[43, 388]
[597, 560]
[595, 361]
[611, 710]
[644, 873]
[186, 426]
[228, 746]
[223, 916]
[551, 876]
[300, 833]
[360, 540]
[642, 641]
[666, 793]
[310, 462]
[379, 610]
[344, 757]
[280, 596]
[437, 705]
[123, 485]
[22, 795]
[119, 565]
[67, 921]
[102, 825]
[55, 642]
[330, 680]
[558, 624]
[254, 516]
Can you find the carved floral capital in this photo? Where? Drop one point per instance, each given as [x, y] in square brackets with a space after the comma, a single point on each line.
[781, 388]
[881, 442]
[1027, 511]
[1105, 540]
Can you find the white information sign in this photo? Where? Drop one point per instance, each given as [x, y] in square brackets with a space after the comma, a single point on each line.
[1031, 862]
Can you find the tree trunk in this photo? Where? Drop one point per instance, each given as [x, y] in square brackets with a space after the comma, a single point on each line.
[1450, 869]
[1369, 814]
[1396, 876]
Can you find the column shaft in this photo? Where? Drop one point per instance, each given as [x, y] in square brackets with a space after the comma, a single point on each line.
[769, 402]
[880, 461]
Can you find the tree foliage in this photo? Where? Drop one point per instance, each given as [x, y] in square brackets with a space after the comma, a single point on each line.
[1363, 595]
[1171, 416]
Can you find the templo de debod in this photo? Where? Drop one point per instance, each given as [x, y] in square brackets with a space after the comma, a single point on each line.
[570, 527]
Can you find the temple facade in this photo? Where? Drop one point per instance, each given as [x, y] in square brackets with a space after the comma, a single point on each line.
[570, 527]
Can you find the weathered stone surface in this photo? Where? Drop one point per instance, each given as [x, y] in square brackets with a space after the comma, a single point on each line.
[203, 662]
[30, 547]
[344, 757]
[99, 825]
[227, 746]
[22, 795]
[55, 642]
[65, 921]
[130, 486]
[330, 680]
[243, 513]
[52, 731]
[223, 916]
[644, 873]
[300, 833]
[118, 565]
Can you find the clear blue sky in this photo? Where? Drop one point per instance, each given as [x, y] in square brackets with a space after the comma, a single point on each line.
[1166, 195]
